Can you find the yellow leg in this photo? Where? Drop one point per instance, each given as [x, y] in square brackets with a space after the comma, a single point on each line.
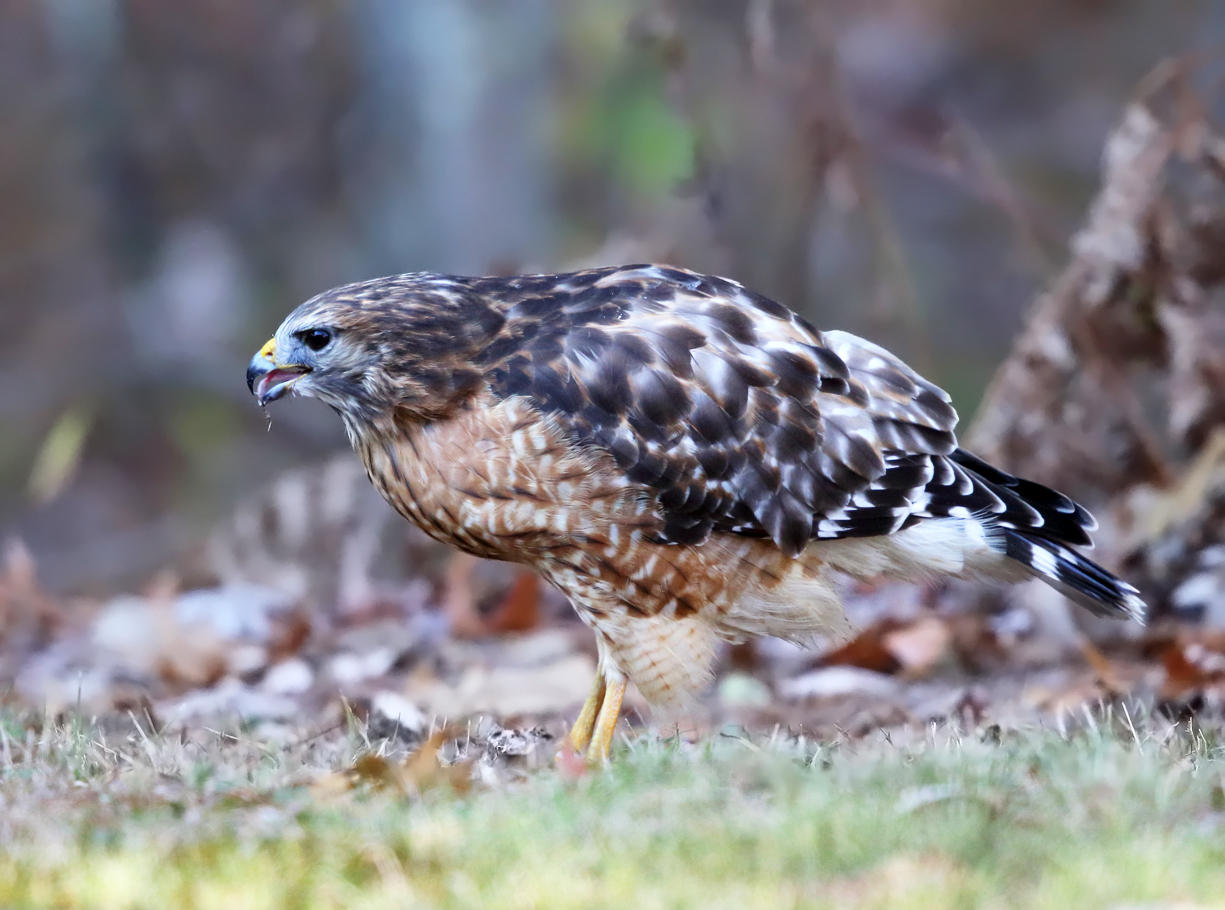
[580, 733]
[606, 722]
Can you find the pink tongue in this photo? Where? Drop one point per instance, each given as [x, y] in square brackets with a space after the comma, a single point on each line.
[274, 378]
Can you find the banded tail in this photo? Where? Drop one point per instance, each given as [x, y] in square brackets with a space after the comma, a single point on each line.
[1038, 528]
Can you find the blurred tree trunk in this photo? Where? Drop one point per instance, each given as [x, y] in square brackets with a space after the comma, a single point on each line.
[1115, 391]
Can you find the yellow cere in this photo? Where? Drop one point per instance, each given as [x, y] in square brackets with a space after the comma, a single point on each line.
[268, 351]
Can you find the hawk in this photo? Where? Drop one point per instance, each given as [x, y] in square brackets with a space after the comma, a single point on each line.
[686, 460]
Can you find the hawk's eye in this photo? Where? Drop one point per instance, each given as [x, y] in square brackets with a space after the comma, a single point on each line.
[315, 339]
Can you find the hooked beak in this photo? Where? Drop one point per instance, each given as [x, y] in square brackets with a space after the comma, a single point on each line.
[269, 380]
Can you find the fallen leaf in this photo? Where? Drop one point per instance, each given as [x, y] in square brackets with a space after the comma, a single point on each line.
[424, 770]
[919, 647]
[379, 772]
[1194, 665]
[519, 610]
[1112, 679]
[866, 650]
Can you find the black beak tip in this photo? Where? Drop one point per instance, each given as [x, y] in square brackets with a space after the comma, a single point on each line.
[258, 367]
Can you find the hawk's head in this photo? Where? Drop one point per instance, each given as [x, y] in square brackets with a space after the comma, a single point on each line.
[392, 346]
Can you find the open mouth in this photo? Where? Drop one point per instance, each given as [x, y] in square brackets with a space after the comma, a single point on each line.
[276, 382]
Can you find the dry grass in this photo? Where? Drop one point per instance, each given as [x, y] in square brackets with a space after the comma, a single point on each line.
[1111, 815]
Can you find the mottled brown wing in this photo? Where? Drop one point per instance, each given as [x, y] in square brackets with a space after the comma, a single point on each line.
[739, 414]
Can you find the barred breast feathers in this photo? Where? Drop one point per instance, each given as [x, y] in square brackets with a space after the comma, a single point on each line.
[731, 414]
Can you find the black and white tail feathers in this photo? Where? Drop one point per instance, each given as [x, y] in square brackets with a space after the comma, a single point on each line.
[1037, 527]
[1080, 579]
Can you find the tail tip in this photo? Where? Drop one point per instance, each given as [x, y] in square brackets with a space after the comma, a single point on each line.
[1132, 605]
[1077, 576]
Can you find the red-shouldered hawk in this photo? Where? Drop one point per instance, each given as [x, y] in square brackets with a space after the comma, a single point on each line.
[688, 461]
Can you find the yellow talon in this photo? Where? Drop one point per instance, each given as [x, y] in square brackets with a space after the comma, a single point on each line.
[584, 724]
[606, 722]
[593, 730]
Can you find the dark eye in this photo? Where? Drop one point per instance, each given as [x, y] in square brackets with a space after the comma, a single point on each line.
[315, 339]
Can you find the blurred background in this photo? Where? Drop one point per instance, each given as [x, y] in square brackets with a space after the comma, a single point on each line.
[175, 177]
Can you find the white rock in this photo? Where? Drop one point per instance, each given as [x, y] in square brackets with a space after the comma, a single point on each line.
[246, 658]
[395, 707]
[348, 668]
[740, 689]
[289, 677]
[829, 682]
[234, 611]
[229, 699]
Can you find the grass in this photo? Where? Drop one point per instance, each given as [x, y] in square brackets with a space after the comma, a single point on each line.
[1107, 816]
